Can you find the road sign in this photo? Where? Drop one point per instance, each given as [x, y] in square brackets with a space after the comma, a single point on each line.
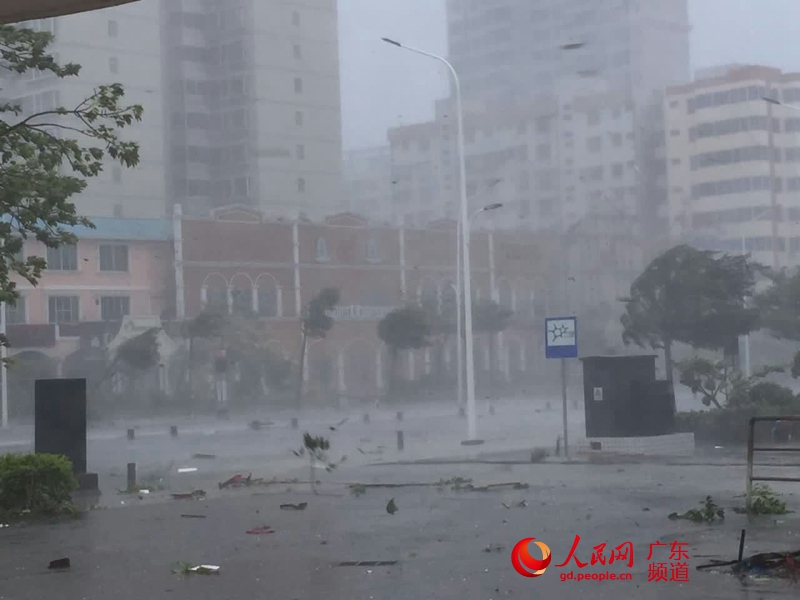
[561, 337]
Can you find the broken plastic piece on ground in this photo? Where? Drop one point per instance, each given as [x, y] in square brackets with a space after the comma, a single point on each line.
[187, 470]
[205, 569]
[262, 530]
[300, 506]
[237, 480]
[195, 495]
[204, 456]
[61, 563]
[367, 563]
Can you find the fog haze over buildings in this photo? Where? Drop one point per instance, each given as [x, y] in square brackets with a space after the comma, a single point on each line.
[382, 88]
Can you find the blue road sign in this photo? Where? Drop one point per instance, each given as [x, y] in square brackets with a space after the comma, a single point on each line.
[561, 337]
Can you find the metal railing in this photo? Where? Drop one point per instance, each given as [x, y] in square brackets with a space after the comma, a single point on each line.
[752, 449]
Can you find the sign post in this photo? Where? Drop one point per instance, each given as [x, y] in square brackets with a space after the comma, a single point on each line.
[561, 342]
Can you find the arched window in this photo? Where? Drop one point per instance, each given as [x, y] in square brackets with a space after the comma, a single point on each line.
[322, 249]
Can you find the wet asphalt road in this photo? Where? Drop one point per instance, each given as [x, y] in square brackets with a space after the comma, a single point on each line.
[439, 538]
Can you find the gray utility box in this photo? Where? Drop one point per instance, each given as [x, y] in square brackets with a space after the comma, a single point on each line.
[622, 397]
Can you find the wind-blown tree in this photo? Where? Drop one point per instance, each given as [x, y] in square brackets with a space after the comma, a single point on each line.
[134, 356]
[690, 296]
[46, 157]
[403, 329]
[779, 306]
[491, 318]
[315, 323]
[207, 326]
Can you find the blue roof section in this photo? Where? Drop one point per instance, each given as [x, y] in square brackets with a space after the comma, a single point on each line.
[107, 228]
[126, 229]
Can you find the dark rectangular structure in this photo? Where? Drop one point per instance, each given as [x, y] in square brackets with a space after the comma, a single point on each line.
[61, 419]
[622, 397]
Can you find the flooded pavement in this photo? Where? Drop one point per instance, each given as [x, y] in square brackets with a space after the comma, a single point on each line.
[448, 543]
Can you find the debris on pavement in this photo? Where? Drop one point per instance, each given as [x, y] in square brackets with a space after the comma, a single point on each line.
[358, 489]
[259, 425]
[194, 516]
[391, 507]
[61, 563]
[785, 565]
[367, 563]
[236, 481]
[289, 506]
[194, 495]
[187, 569]
[261, 530]
[204, 456]
[709, 513]
[187, 470]
[520, 504]
[494, 548]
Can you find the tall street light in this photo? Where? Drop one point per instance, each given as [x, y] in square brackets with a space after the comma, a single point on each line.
[459, 298]
[470, 362]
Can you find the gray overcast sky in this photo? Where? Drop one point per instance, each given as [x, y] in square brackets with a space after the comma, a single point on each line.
[383, 86]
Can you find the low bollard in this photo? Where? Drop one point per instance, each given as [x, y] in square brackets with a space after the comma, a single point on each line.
[295, 424]
[131, 434]
[400, 441]
[173, 430]
[399, 415]
[558, 446]
[131, 476]
[365, 418]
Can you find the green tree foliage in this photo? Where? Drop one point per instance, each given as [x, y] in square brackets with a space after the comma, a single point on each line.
[315, 323]
[402, 329]
[48, 156]
[139, 353]
[716, 384]
[779, 305]
[491, 318]
[690, 296]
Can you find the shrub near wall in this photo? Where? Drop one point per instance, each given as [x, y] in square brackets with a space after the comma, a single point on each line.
[39, 483]
[729, 425]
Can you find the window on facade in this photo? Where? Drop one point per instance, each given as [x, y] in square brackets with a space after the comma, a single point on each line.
[113, 257]
[217, 300]
[297, 50]
[114, 308]
[594, 144]
[593, 117]
[295, 18]
[113, 64]
[617, 170]
[543, 152]
[298, 118]
[322, 249]
[242, 302]
[113, 28]
[373, 252]
[301, 151]
[63, 258]
[298, 85]
[63, 309]
[301, 185]
[268, 302]
[15, 312]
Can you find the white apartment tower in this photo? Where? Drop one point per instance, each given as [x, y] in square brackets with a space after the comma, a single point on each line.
[241, 102]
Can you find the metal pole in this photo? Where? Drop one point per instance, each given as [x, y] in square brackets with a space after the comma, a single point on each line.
[3, 368]
[470, 356]
[746, 338]
[460, 317]
[750, 450]
[564, 404]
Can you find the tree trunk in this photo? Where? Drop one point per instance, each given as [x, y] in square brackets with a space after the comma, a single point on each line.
[392, 369]
[302, 370]
[668, 358]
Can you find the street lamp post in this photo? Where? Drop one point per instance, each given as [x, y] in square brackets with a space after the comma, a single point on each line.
[470, 362]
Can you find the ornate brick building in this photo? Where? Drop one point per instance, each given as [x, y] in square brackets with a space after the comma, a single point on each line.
[237, 262]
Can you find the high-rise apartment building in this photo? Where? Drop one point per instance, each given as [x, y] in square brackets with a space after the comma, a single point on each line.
[734, 162]
[241, 102]
[254, 105]
[515, 49]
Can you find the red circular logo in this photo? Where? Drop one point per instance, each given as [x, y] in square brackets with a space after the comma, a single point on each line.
[524, 563]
